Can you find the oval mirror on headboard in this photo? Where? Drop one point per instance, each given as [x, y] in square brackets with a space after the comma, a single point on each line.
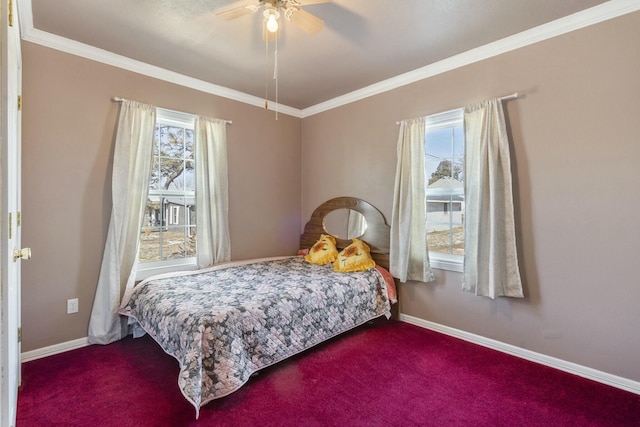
[345, 223]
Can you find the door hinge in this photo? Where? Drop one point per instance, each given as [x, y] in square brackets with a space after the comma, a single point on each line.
[18, 219]
[10, 226]
[10, 14]
[20, 335]
[19, 102]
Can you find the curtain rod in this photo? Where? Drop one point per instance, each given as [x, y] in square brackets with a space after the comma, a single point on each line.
[514, 95]
[118, 99]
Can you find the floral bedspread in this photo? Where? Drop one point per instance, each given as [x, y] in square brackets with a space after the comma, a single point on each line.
[223, 324]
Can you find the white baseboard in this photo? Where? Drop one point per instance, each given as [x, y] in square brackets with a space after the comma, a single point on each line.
[563, 365]
[553, 362]
[53, 349]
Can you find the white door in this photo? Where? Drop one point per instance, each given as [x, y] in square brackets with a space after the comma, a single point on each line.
[10, 249]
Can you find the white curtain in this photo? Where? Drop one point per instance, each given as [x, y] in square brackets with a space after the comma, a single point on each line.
[212, 195]
[129, 188]
[409, 254]
[490, 259]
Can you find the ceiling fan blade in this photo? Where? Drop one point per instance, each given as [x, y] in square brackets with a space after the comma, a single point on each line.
[306, 2]
[303, 19]
[237, 12]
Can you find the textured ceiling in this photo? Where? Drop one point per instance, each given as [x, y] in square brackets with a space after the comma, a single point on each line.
[363, 41]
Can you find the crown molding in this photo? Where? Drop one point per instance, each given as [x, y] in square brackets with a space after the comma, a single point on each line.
[89, 52]
[605, 11]
[43, 38]
[585, 18]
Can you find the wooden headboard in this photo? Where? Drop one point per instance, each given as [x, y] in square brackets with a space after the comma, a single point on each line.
[376, 234]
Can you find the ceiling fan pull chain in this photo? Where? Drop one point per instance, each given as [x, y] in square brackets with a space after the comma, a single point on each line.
[275, 74]
[266, 70]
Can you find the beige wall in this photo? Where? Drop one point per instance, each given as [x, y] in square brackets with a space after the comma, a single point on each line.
[575, 158]
[576, 153]
[68, 131]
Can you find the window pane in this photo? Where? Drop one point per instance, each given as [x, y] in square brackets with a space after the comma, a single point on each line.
[175, 243]
[439, 142]
[191, 213]
[147, 252]
[445, 226]
[151, 230]
[191, 241]
[154, 180]
[444, 167]
[188, 147]
[458, 145]
[171, 174]
[152, 213]
[441, 160]
[171, 142]
[150, 239]
[447, 241]
[189, 175]
[179, 210]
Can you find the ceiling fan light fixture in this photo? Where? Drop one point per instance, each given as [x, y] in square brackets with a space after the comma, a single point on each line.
[272, 9]
[271, 15]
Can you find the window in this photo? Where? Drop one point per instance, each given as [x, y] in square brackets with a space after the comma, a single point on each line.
[444, 172]
[168, 236]
[174, 215]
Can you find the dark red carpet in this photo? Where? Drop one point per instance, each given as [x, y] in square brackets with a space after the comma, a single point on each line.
[385, 374]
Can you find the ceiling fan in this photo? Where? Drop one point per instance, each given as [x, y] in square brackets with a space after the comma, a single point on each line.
[273, 9]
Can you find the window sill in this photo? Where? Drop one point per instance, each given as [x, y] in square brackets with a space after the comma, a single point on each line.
[145, 271]
[447, 262]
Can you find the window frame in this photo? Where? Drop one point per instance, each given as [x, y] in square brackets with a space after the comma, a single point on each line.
[143, 270]
[434, 122]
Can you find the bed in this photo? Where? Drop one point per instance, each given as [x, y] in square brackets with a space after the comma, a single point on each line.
[226, 322]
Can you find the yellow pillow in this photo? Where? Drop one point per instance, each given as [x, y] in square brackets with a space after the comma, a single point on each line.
[323, 251]
[355, 257]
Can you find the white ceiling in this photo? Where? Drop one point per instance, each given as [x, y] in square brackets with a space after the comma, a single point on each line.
[363, 42]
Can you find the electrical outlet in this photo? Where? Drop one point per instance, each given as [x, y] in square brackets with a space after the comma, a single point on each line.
[72, 306]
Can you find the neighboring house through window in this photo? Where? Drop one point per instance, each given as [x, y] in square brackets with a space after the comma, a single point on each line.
[168, 235]
[444, 173]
